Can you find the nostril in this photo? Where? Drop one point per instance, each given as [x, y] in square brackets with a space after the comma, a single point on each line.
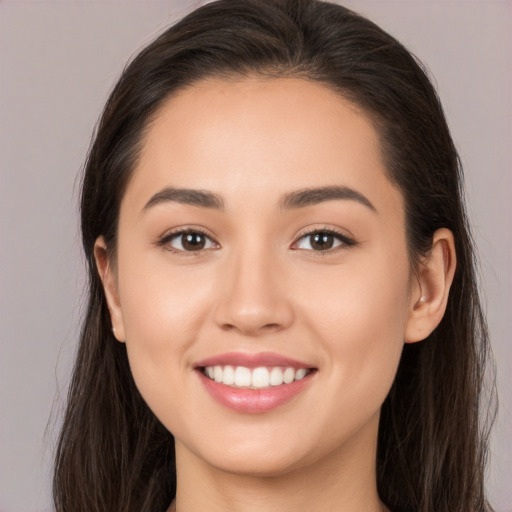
[251, 329]
[252, 319]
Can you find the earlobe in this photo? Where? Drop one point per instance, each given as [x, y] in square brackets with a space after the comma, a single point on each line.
[108, 278]
[430, 295]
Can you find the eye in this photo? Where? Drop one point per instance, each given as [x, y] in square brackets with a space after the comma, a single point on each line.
[322, 241]
[188, 241]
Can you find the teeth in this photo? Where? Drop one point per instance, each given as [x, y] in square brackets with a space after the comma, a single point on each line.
[242, 377]
[300, 373]
[228, 376]
[258, 378]
[289, 375]
[276, 377]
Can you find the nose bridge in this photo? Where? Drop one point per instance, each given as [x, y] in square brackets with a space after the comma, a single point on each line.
[254, 299]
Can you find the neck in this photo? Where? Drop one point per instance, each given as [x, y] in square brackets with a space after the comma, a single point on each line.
[343, 480]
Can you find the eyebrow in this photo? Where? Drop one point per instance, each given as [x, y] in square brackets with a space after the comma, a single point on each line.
[193, 197]
[292, 200]
[311, 196]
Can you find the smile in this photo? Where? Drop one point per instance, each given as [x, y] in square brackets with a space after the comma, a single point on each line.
[254, 383]
[254, 378]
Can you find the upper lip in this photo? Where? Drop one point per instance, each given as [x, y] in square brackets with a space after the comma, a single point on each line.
[251, 360]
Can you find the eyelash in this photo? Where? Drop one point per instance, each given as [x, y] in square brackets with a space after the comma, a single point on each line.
[165, 241]
[345, 242]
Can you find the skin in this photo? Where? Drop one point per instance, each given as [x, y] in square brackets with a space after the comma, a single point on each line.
[259, 286]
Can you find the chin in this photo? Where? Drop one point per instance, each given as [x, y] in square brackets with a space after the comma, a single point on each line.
[265, 464]
[273, 452]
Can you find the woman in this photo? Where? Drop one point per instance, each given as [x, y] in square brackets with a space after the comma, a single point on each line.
[283, 312]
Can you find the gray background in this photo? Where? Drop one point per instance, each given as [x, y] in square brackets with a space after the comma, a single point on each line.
[59, 59]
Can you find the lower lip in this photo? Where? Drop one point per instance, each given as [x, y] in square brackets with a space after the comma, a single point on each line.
[254, 400]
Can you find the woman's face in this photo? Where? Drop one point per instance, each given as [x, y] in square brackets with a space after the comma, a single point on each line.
[263, 286]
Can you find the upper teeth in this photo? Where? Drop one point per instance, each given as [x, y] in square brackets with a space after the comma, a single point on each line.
[261, 377]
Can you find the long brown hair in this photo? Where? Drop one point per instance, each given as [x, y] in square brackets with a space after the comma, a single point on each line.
[113, 453]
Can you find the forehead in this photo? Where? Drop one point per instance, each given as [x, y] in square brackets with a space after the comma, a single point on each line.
[259, 138]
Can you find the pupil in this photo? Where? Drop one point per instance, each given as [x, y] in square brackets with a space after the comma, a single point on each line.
[322, 241]
[193, 241]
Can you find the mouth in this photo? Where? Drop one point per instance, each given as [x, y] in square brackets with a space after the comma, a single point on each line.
[254, 383]
[261, 377]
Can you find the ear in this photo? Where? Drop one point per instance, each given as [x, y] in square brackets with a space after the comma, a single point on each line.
[429, 295]
[108, 278]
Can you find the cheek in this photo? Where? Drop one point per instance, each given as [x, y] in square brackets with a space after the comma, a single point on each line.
[164, 308]
[159, 297]
[360, 320]
[362, 303]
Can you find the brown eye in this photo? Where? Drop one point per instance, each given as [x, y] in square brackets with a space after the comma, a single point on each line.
[189, 241]
[193, 241]
[322, 241]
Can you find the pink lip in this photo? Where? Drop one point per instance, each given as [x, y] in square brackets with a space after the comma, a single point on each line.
[251, 360]
[248, 400]
[253, 400]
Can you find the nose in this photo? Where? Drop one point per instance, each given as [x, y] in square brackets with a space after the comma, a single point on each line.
[254, 299]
